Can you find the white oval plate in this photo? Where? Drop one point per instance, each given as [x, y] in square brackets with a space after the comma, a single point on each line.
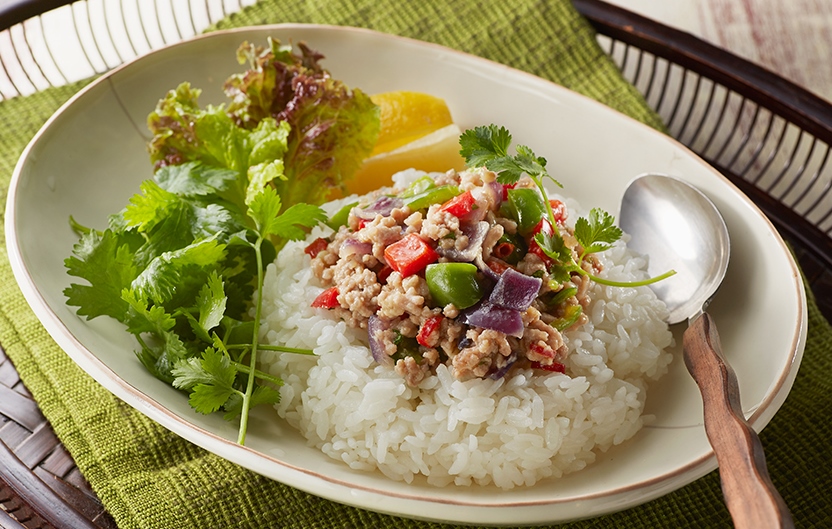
[90, 158]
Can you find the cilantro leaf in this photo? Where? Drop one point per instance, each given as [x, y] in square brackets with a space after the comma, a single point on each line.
[487, 146]
[210, 380]
[264, 211]
[481, 145]
[211, 303]
[145, 318]
[150, 207]
[532, 164]
[170, 221]
[166, 349]
[171, 273]
[507, 169]
[291, 222]
[212, 220]
[105, 260]
[208, 398]
[598, 233]
[261, 395]
[194, 179]
[160, 357]
[554, 246]
[211, 307]
[212, 367]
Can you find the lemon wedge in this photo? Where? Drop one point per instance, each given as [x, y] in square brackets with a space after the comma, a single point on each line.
[417, 132]
[407, 116]
[437, 151]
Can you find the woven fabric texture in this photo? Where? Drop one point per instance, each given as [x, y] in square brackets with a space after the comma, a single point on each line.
[148, 477]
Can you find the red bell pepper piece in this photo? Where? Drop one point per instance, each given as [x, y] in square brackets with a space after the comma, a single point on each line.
[316, 247]
[558, 210]
[555, 367]
[498, 265]
[384, 273]
[410, 255]
[506, 187]
[542, 350]
[328, 299]
[460, 205]
[427, 331]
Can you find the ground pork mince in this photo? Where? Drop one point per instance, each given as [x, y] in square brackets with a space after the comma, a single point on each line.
[469, 219]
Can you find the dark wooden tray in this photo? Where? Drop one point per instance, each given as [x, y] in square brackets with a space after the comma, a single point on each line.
[769, 136]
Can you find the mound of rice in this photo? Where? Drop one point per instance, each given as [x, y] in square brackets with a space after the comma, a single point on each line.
[509, 432]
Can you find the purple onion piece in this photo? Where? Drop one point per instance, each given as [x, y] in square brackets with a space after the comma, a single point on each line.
[515, 290]
[351, 246]
[500, 373]
[383, 206]
[497, 189]
[500, 319]
[476, 234]
[486, 270]
[376, 325]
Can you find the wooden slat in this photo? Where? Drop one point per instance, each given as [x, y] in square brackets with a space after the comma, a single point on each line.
[84, 501]
[37, 446]
[13, 434]
[40, 486]
[31, 488]
[19, 408]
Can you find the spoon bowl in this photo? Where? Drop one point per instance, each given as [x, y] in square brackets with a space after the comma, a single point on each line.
[679, 228]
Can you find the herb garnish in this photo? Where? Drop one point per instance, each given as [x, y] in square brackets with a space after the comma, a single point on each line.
[488, 146]
[180, 265]
[187, 306]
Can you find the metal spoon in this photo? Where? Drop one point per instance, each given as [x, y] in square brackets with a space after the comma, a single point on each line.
[679, 228]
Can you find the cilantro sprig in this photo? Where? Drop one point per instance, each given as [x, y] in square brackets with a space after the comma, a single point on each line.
[179, 267]
[488, 146]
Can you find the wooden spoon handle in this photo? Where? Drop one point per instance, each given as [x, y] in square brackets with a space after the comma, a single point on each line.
[750, 495]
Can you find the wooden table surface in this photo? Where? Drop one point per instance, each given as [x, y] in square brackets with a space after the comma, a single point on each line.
[793, 38]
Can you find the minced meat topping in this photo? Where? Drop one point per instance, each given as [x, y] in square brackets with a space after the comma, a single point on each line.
[448, 271]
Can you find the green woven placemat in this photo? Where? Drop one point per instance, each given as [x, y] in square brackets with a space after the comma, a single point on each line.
[148, 477]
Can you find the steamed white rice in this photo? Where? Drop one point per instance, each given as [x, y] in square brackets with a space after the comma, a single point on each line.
[509, 432]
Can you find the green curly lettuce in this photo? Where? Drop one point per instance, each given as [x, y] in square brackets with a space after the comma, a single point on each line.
[331, 128]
